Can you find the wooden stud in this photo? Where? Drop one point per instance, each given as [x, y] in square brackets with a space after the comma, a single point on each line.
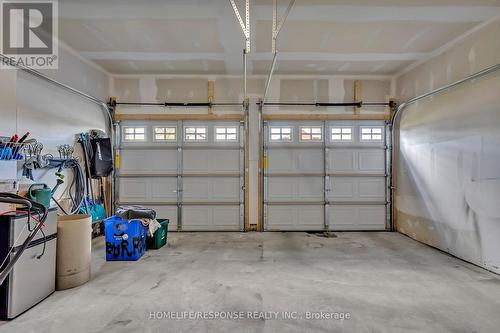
[357, 95]
[210, 96]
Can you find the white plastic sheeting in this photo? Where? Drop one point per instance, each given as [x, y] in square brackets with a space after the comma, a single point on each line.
[448, 172]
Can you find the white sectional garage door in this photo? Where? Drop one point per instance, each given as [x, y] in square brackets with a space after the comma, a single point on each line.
[188, 171]
[325, 175]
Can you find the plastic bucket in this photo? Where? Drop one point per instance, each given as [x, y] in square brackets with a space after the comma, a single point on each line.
[74, 241]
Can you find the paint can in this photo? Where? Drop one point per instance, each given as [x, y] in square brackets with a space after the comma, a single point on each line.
[74, 240]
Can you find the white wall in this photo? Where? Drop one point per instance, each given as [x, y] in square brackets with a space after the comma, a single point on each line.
[7, 101]
[448, 179]
[52, 115]
[80, 74]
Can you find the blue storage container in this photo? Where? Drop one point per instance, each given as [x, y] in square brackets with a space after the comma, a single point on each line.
[124, 240]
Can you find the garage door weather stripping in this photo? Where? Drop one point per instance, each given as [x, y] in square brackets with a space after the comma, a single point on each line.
[29, 34]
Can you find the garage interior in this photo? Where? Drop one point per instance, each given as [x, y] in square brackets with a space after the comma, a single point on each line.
[323, 165]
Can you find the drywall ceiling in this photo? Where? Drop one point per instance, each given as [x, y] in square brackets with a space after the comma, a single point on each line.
[320, 37]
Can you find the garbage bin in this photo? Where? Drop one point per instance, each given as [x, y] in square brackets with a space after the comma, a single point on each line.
[159, 239]
[74, 241]
[125, 240]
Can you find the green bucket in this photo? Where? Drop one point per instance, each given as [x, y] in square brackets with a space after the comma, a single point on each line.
[159, 239]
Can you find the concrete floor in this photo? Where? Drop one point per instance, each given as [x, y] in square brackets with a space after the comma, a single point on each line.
[385, 281]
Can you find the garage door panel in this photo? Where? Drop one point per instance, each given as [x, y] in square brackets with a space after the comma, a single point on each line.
[372, 161]
[357, 161]
[205, 182]
[295, 161]
[211, 161]
[298, 217]
[211, 189]
[356, 189]
[295, 188]
[163, 188]
[355, 173]
[341, 189]
[148, 161]
[133, 189]
[309, 160]
[372, 188]
[201, 218]
[148, 189]
[226, 216]
[356, 217]
[280, 161]
[342, 161]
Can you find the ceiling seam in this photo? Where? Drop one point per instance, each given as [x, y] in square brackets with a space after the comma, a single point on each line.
[442, 49]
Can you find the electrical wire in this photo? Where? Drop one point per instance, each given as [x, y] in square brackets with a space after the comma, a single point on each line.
[15, 242]
[29, 205]
[26, 226]
[44, 244]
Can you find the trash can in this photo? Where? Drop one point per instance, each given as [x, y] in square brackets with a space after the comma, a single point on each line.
[125, 240]
[74, 243]
[159, 239]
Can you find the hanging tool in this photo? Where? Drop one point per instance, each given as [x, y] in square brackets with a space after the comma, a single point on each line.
[19, 142]
[93, 207]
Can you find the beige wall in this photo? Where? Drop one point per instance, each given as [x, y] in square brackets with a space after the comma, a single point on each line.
[151, 88]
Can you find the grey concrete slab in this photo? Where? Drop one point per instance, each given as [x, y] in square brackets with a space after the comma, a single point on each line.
[385, 281]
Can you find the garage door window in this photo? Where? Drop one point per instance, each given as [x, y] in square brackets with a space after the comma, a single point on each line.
[341, 133]
[311, 134]
[371, 134]
[283, 134]
[195, 134]
[226, 134]
[165, 133]
[134, 134]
